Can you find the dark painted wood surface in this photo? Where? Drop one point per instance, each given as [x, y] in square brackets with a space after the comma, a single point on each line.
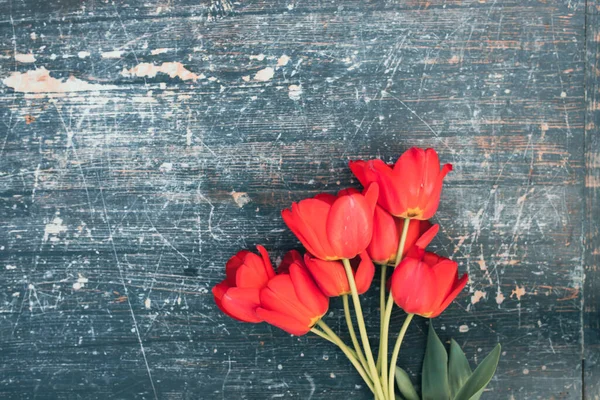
[143, 143]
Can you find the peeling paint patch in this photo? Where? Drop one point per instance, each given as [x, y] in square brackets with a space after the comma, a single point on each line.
[112, 54]
[173, 69]
[246, 78]
[295, 92]
[519, 292]
[283, 61]
[264, 75]
[148, 303]
[159, 51]
[83, 54]
[241, 198]
[477, 296]
[40, 81]
[54, 228]
[25, 58]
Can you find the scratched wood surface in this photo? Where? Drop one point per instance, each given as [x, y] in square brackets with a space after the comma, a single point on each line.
[143, 143]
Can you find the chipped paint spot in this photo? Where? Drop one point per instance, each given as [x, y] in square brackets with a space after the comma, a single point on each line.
[55, 227]
[283, 61]
[246, 78]
[25, 58]
[463, 329]
[166, 167]
[241, 198]
[81, 281]
[173, 69]
[40, 81]
[519, 292]
[295, 92]
[83, 54]
[499, 298]
[148, 303]
[477, 296]
[259, 57]
[112, 54]
[160, 51]
[264, 74]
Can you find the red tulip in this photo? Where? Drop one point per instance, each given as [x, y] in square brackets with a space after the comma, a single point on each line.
[291, 300]
[246, 274]
[426, 285]
[409, 189]
[331, 275]
[387, 230]
[334, 227]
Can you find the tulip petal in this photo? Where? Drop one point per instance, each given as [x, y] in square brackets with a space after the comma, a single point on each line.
[364, 273]
[371, 194]
[458, 287]
[329, 275]
[307, 290]
[312, 216]
[266, 261]
[280, 296]
[283, 321]
[233, 264]
[293, 222]
[289, 258]
[218, 292]
[241, 304]
[349, 225]
[413, 287]
[384, 242]
[252, 273]
[446, 275]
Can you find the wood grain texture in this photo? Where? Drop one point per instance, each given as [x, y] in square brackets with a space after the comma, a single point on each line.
[592, 206]
[120, 190]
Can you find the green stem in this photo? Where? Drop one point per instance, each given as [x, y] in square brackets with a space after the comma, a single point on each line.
[381, 312]
[322, 335]
[388, 313]
[359, 352]
[347, 351]
[395, 353]
[363, 330]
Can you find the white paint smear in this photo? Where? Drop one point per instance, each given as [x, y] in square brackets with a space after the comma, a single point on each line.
[264, 74]
[112, 54]
[40, 81]
[173, 69]
[25, 58]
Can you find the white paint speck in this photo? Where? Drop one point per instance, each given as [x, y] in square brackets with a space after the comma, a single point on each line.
[525, 371]
[83, 54]
[148, 303]
[563, 94]
[279, 367]
[33, 36]
[463, 329]
[11, 267]
[265, 74]
[259, 57]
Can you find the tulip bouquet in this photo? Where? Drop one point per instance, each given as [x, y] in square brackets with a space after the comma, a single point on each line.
[345, 235]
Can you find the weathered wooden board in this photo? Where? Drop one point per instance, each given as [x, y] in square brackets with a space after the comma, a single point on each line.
[592, 206]
[124, 191]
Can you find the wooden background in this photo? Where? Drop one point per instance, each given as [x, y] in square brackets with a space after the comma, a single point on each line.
[142, 143]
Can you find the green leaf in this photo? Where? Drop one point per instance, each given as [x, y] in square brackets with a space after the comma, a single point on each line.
[458, 368]
[473, 388]
[406, 387]
[435, 369]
